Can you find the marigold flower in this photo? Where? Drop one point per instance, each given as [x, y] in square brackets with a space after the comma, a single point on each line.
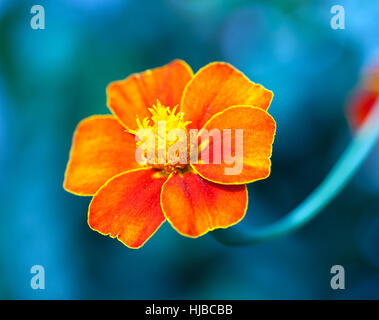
[363, 97]
[130, 201]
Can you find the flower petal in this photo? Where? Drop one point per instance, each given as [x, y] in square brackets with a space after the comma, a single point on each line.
[100, 149]
[364, 96]
[258, 135]
[194, 206]
[360, 107]
[128, 207]
[132, 97]
[216, 87]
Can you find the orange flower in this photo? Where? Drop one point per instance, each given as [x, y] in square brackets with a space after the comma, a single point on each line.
[363, 98]
[130, 201]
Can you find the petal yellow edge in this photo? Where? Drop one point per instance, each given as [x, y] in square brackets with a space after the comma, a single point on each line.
[185, 64]
[229, 65]
[108, 234]
[96, 116]
[269, 158]
[232, 183]
[209, 229]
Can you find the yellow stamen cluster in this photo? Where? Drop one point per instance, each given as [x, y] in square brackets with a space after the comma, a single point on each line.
[170, 119]
[161, 113]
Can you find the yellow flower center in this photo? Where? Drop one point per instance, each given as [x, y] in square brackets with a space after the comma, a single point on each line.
[168, 138]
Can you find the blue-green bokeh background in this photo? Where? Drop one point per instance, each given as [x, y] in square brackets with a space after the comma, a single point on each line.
[51, 79]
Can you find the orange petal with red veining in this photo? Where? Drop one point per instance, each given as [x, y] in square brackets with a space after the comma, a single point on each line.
[100, 149]
[195, 206]
[131, 98]
[216, 87]
[251, 150]
[128, 207]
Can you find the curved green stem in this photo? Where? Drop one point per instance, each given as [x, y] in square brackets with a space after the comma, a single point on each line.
[334, 182]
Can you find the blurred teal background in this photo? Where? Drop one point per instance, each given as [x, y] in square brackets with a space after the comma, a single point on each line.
[51, 79]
